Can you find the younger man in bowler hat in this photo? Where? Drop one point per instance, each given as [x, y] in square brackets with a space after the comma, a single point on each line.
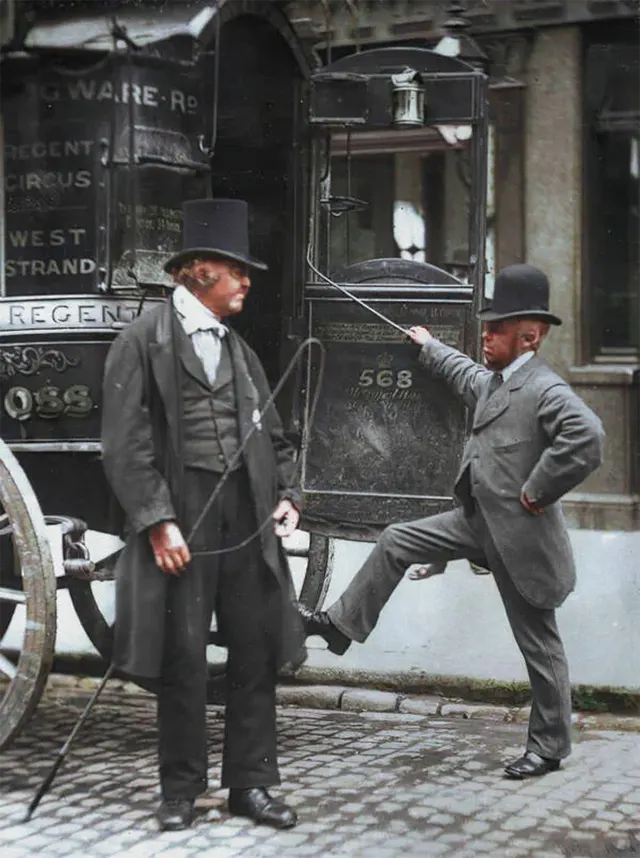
[532, 441]
[182, 392]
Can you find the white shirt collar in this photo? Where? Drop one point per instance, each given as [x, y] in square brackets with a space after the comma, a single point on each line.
[508, 371]
[194, 316]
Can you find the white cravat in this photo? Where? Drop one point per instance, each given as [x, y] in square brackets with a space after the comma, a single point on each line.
[203, 329]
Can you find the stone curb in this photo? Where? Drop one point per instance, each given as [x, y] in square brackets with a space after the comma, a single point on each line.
[349, 699]
[369, 700]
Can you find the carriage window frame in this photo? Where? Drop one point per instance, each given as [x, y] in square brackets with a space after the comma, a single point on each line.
[377, 144]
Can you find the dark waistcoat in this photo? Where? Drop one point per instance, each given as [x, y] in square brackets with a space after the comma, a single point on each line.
[210, 414]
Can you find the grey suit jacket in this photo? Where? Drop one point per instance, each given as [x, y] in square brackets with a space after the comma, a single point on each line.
[534, 434]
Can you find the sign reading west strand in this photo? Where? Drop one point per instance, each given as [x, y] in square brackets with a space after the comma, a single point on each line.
[73, 206]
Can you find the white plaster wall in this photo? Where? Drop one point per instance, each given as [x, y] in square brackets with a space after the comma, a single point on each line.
[455, 625]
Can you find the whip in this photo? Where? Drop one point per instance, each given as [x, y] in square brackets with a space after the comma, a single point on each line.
[353, 297]
[62, 753]
[64, 750]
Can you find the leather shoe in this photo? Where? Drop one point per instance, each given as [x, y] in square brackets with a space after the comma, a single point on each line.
[257, 804]
[175, 814]
[531, 765]
[318, 623]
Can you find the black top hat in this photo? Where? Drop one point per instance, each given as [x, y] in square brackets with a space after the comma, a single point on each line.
[520, 291]
[215, 228]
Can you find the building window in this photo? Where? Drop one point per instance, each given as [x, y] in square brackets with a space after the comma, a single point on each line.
[612, 197]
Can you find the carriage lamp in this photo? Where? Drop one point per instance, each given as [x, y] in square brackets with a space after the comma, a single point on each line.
[408, 99]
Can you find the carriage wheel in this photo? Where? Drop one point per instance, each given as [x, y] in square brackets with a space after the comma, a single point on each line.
[28, 588]
[311, 582]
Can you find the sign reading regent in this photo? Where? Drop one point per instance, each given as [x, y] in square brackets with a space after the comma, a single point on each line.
[66, 313]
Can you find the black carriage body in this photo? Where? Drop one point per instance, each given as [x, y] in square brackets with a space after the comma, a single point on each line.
[113, 114]
[387, 439]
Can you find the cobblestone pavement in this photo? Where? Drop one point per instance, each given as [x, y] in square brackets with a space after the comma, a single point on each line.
[374, 784]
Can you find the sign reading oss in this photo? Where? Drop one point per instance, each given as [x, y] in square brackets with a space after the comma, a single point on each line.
[50, 391]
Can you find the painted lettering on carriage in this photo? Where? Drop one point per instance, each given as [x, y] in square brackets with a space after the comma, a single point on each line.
[44, 149]
[48, 402]
[48, 267]
[48, 180]
[143, 95]
[46, 237]
[67, 315]
[385, 378]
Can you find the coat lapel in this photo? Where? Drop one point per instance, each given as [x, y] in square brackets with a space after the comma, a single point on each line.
[491, 407]
[164, 366]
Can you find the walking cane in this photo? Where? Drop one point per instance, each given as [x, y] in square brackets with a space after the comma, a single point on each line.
[64, 750]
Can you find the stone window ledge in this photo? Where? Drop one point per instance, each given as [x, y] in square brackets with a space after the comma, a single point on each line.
[605, 375]
[590, 511]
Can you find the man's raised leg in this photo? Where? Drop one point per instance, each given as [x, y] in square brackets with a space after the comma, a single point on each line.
[439, 538]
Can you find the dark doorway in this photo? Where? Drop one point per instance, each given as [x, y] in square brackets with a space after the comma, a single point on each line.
[257, 158]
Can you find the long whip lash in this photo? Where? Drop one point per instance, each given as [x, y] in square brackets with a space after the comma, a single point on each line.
[64, 750]
[355, 298]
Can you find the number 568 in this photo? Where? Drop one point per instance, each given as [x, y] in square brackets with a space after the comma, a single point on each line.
[385, 378]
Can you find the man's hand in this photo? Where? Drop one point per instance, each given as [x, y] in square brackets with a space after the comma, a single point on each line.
[170, 551]
[421, 573]
[286, 517]
[529, 505]
[419, 335]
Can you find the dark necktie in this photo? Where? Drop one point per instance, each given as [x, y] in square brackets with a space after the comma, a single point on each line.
[494, 383]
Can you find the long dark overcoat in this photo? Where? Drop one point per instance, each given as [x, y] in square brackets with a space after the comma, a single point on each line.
[141, 452]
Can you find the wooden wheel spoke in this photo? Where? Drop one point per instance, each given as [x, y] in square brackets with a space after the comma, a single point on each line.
[7, 667]
[18, 597]
[30, 557]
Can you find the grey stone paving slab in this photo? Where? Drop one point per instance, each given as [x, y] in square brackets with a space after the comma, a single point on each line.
[365, 785]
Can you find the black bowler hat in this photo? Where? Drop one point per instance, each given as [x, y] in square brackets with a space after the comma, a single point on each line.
[520, 291]
[215, 228]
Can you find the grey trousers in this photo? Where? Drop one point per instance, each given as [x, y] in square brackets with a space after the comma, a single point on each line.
[452, 536]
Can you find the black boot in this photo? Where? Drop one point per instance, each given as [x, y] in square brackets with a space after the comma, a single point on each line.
[257, 804]
[531, 765]
[175, 814]
[318, 623]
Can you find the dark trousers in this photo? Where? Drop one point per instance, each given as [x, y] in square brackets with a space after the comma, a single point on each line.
[243, 592]
[452, 536]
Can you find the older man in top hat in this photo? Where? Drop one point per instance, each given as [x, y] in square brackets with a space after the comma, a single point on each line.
[532, 441]
[183, 417]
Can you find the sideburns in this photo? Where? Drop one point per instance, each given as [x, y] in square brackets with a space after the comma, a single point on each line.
[188, 278]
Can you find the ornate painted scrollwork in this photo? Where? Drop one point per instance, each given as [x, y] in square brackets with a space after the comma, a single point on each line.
[28, 360]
